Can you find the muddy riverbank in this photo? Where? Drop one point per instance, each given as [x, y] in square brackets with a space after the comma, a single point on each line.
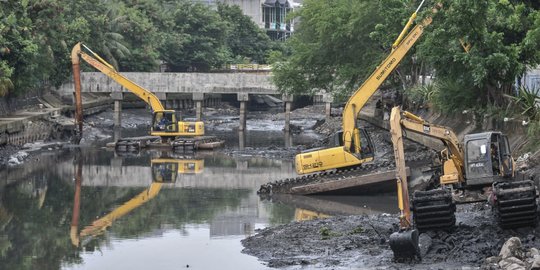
[361, 242]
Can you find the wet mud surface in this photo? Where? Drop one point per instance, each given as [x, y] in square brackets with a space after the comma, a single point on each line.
[360, 242]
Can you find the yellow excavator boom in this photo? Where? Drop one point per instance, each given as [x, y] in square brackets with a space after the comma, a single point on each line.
[164, 122]
[359, 98]
[107, 69]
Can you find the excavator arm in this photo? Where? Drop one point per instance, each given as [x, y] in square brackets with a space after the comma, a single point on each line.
[404, 243]
[107, 69]
[351, 151]
[453, 155]
[401, 173]
[367, 89]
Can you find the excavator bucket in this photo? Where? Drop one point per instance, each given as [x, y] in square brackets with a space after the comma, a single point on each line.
[404, 244]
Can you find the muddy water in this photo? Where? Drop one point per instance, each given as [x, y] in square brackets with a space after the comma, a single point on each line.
[88, 208]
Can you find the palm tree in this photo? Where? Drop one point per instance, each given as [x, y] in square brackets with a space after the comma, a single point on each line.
[112, 42]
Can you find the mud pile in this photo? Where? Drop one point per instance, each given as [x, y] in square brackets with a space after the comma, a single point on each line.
[362, 242]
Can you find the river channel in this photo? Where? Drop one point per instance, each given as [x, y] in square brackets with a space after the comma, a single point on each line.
[89, 208]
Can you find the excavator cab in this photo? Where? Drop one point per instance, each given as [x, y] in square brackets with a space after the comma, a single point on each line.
[164, 122]
[487, 158]
[366, 145]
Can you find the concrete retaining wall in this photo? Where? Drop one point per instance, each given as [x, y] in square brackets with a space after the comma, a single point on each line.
[25, 131]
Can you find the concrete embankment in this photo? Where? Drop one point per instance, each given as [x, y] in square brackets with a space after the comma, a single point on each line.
[46, 118]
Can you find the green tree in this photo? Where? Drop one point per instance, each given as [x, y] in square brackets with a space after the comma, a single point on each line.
[21, 62]
[245, 40]
[504, 37]
[107, 24]
[194, 38]
[141, 35]
[338, 44]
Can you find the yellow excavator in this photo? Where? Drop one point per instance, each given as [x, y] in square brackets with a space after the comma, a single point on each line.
[164, 171]
[480, 169]
[354, 144]
[164, 122]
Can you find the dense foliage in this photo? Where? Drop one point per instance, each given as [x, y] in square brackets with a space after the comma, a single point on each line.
[504, 37]
[36, 37]
[339, 43]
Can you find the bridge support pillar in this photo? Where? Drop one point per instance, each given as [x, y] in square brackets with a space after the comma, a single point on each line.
[288, 139]
[198, 98]
[241, 140]
[328, 99]
[243, 98]
[288, 99]
[117, 115]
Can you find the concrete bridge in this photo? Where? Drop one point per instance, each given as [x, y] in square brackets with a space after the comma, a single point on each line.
[181, 90]
[179, 83]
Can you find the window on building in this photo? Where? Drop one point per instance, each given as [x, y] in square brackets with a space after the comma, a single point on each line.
[274, 18]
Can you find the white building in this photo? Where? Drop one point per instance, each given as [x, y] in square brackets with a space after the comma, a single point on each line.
[267, 14]
[531, 80]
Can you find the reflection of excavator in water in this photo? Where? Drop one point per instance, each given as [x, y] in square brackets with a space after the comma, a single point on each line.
[354, 144]
[164, 171]
[301, 214]
[167, 169]
[468, 170]
[164, 122]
